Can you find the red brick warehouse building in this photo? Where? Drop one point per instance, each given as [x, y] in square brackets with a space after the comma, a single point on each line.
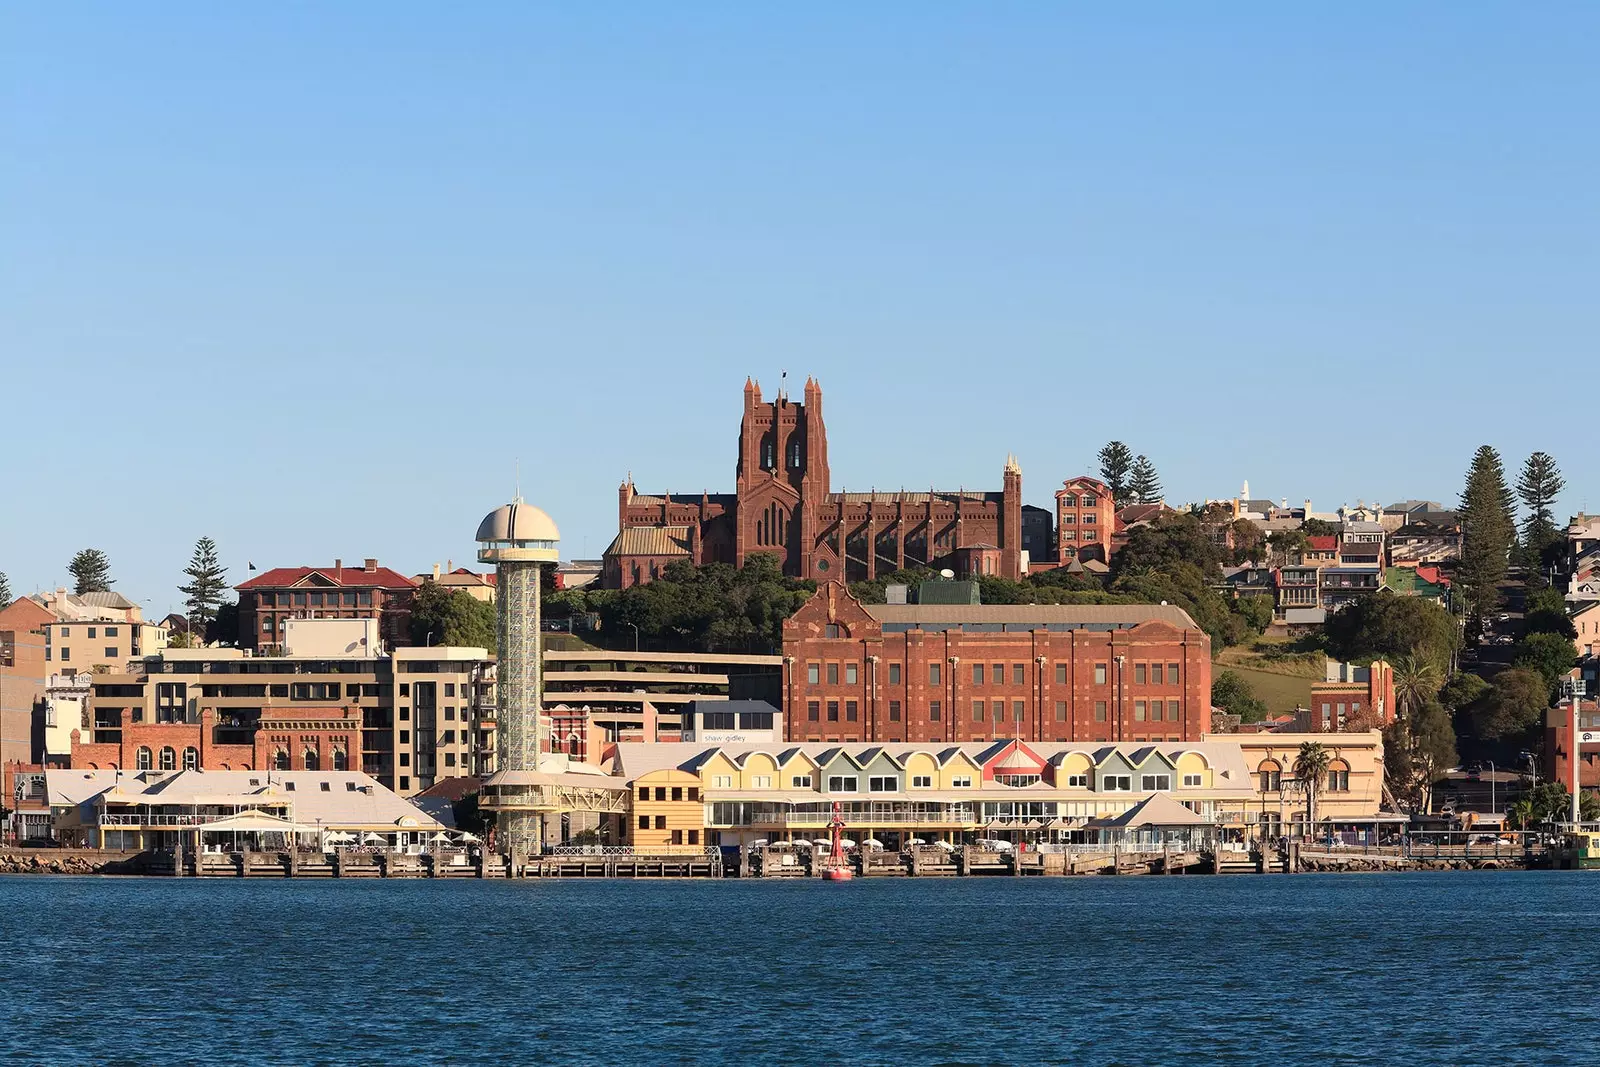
[978, 672]
[784, 504]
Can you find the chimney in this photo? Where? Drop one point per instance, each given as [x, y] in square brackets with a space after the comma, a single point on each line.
[1308, 509]
[338, 564]
[436, 572]
[369, 565]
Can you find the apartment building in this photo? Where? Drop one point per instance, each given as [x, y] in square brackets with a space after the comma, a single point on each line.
[407, 719]
[99, 644]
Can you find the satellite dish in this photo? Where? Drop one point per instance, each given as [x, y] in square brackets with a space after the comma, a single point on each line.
[947, 573]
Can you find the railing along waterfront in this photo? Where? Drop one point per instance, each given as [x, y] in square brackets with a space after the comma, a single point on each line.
[117, 819]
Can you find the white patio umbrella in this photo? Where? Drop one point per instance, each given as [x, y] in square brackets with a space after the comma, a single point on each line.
[947, 846]
[759, 844]
[916, 841]
[470, 837]
[822, 843]
[371, 838]
[872, 842]
[438, 837]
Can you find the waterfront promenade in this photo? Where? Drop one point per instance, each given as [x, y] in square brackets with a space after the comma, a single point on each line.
[1435, 852]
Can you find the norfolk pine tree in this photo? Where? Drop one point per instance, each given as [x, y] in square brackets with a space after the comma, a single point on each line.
[1116, 464]
[5, 589]
[1540, 484]
[1144, 485]
[1487, 532]
[91, 572]
[203, 593]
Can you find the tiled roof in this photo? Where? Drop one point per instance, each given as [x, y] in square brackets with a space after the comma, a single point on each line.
[1322, 544]
[349, 577]
[650, 541]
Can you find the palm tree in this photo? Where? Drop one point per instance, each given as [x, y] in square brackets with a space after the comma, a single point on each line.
[1522, 814]
[1310, 765]
[1416, 681]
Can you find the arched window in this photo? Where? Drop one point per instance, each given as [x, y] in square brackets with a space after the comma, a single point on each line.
[1338, 776]
[340, 761]
[169, 759]
[769, 453]
[141, 759]
[309, 758]
[794, 454]
[191, 759]
[280, 760]
[1271, 775]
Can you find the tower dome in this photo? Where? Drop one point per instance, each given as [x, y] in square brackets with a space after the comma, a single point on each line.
[518, 531]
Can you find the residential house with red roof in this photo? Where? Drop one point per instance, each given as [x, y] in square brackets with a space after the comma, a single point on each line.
[268, 601]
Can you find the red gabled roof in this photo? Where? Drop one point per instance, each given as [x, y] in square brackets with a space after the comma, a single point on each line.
[1322, 544]
[350, 577]
[1434, 575]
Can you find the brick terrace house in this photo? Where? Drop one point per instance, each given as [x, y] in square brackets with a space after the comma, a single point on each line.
[268, 601]
[784, 505]
[971, 672]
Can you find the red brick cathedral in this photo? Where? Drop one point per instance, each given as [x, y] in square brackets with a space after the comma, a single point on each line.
[784, 504]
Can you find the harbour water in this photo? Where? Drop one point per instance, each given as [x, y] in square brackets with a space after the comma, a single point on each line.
[1457, 968]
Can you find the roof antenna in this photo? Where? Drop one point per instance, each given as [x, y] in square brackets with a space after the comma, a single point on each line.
[519, 479]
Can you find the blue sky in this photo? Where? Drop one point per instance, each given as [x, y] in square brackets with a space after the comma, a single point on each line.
[310, 278]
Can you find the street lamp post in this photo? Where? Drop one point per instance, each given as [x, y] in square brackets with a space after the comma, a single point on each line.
[1493, 807]
[635, 634]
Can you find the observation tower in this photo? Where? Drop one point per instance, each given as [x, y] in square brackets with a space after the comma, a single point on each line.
[519, 539]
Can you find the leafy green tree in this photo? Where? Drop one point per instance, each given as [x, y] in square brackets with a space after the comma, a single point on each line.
[1514, 705]
[1256, 611]
[1462, 691]
[440, 616]
[1116, 467]
[1167, 541]
[224, 628]
[1249, 542]
[1487, 532]
[1549, 655]
[1319, 528]
[1432, 748]
[91, 572]
[1144, 485]
[5, 590]
[712, 608]
[1541, 483]
[1234, 695]
[1545, 611]
[1311, 767]
[1285, 545]
[207, 583]
[1389, 626]
[1551, 802]
[1064, 578]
